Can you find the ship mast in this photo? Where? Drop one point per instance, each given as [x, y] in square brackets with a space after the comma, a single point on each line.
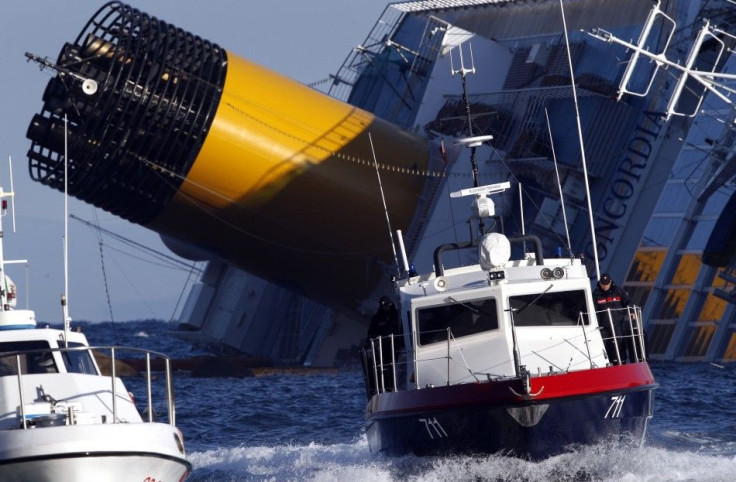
[471, 141]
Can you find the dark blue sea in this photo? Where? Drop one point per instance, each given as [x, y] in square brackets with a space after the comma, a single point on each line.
[297, 427]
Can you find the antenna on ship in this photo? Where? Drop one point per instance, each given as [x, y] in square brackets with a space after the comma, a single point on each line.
[582, 146]
[385, 210]
[65, 296]
[708, 36]
[471, 141]
[559, 184]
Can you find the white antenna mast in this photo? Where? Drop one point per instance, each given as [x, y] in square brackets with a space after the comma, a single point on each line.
[559, 184]
[582, 147]
[385, 209]
[521, 208]
[12, 207]
[4, 305]
[481, 202]
[65, 296]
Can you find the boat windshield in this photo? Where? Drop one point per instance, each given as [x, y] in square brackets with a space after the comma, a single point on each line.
[78, 361]
[463, 318]
[41, 362]
[549, 309]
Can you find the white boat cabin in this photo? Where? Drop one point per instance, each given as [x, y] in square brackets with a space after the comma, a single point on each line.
[46, 381]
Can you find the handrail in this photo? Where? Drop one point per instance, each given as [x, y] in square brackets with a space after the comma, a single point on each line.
[377, 365]
[171, 407]
[112, 379]
[635, 335]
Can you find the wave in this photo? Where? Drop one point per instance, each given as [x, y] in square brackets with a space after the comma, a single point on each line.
[355, 463]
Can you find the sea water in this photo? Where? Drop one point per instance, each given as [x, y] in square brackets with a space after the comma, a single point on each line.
[309, 427]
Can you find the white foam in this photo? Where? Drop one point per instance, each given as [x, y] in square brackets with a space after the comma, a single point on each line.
[355, 463]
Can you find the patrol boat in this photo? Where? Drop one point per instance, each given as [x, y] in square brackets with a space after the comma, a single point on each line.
[504, 356]
[61, 418]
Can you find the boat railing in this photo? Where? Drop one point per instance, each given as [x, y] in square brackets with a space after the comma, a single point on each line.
[113, 350]
[621, 329]
[384, 363]
[622, 333]
[382, 366]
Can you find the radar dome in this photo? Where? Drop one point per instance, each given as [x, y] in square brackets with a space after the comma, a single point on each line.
[494, 251]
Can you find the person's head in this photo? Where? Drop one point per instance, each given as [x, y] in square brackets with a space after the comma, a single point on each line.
[605, 281]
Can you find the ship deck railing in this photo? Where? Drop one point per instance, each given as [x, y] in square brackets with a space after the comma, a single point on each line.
[620, 328]
[629, 335]
[113, 350]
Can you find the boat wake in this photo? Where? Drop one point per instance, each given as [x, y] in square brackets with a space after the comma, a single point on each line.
[354, 462]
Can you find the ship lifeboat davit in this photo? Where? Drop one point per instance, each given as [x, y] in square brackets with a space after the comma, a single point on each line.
[171, 131]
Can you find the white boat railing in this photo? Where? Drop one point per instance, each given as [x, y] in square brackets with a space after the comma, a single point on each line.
[617, 327]
[170, 404]
[630, 332]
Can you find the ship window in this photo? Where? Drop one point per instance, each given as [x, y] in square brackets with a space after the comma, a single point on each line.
[674, 303]
[638, 294]
[688, 268]
[698, 339]
[645, 266]
[550, 309]
[40, 362]
[729, 353]
[462, 318]
[78, 361]
[659, 337]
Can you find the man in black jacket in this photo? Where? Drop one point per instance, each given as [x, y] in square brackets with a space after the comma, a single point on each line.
[609, 295]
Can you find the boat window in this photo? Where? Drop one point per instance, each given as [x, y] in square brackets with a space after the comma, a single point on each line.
[78, 361]
[549, 309]
[462, 318]
[42, 362]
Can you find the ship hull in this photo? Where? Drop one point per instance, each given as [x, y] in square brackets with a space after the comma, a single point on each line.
[489, 418]
[111, 452]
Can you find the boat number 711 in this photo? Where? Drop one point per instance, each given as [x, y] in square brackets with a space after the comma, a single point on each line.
[617, 403]
[433, 427]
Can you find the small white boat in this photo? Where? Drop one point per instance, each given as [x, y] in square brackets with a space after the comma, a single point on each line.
[506, 357]
[62, 419]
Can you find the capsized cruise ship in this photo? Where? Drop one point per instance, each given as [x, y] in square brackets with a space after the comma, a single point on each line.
[290, 217]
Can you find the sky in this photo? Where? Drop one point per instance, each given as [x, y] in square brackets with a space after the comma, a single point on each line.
[304, 40]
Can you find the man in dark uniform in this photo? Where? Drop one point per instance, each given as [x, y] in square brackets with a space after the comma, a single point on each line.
[609, 295]
[384, 323]
[386, 320]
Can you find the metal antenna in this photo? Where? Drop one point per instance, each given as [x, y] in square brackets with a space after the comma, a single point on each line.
[471, 141]
[385, 209]
[65, 296]
[582, 147]
[12, 206]
[559, 184]
[463, 71]
[708, 79]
